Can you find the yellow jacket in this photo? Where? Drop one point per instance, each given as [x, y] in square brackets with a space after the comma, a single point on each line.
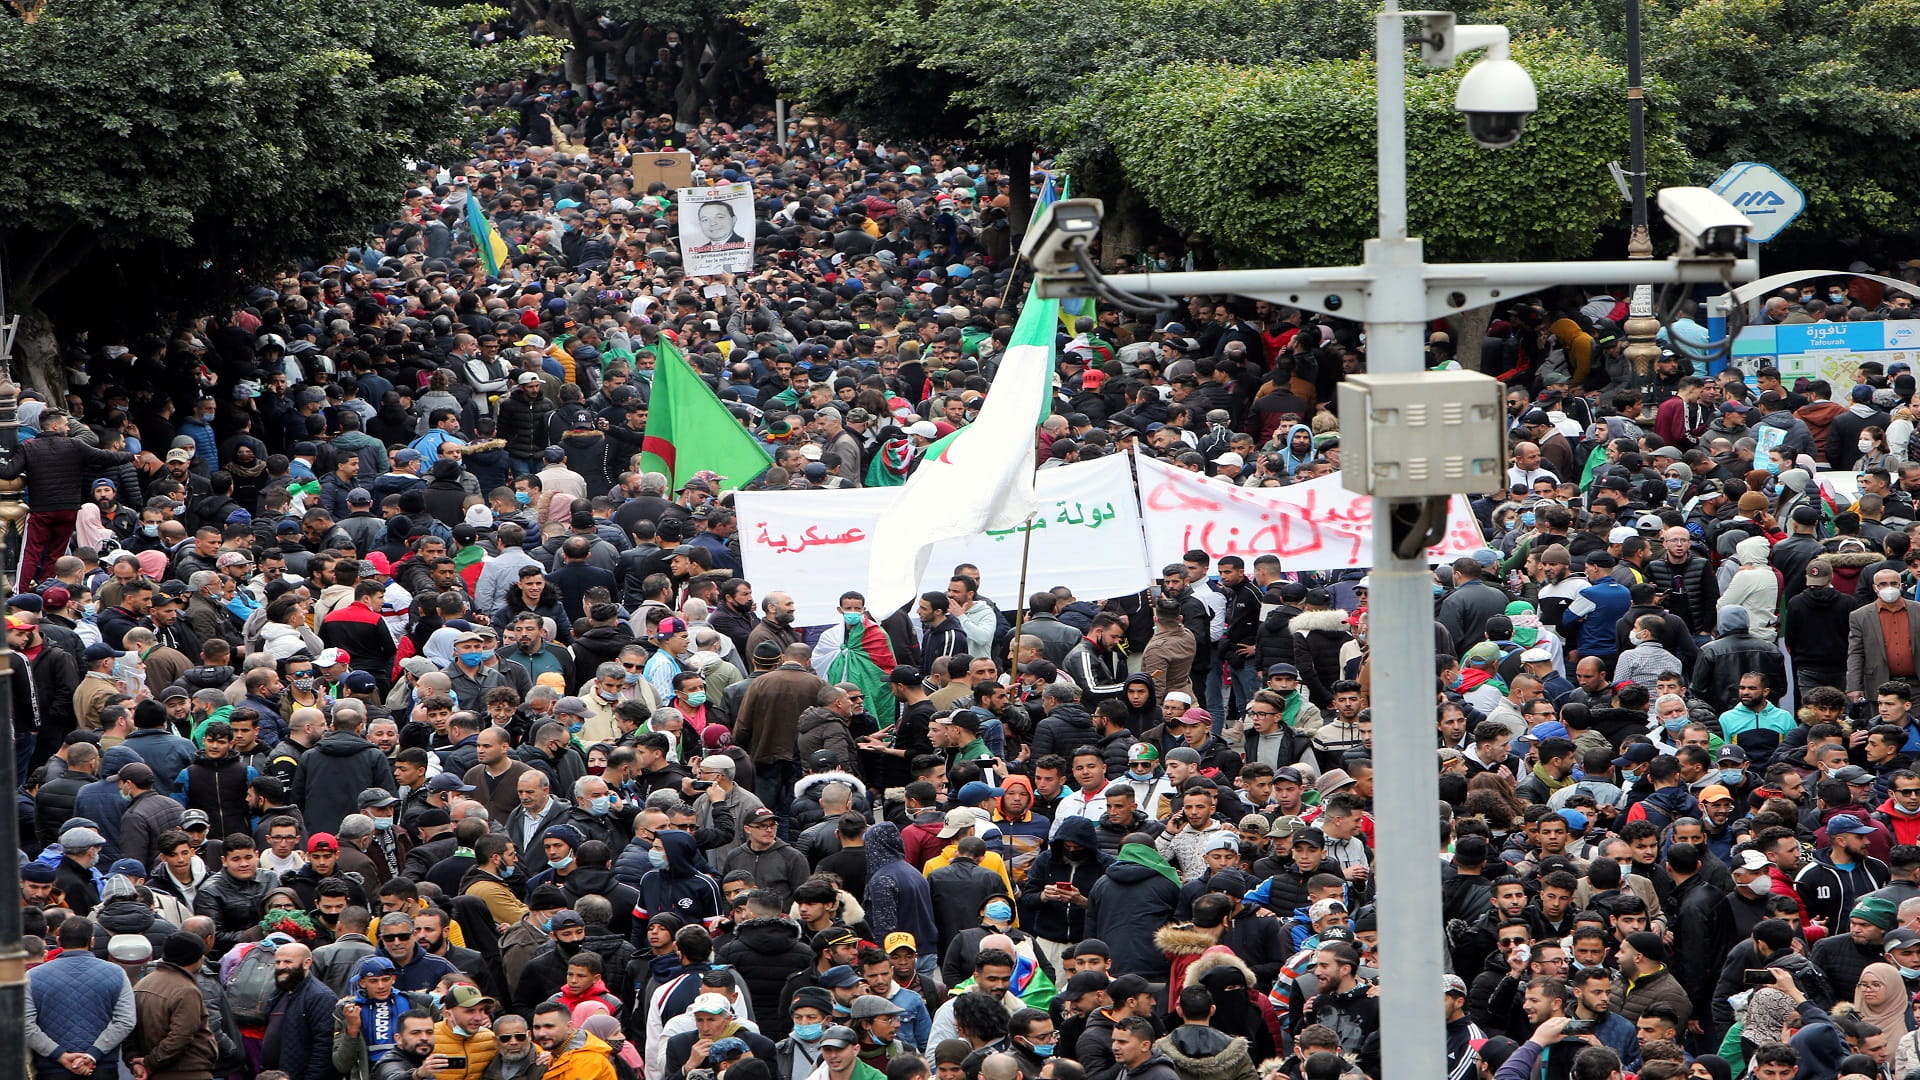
[991, 861]
[585, 1058]
[478, 1048]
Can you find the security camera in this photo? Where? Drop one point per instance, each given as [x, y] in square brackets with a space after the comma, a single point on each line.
[1497, 96]
[1064, 229]
[1707, 224]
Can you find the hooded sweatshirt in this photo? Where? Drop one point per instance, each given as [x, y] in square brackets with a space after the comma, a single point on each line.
[680, 887]
[896, 897]
[1204, 1053]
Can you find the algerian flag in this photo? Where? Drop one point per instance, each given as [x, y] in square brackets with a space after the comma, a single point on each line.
[860, 654]
[689, 429]
[980, 477]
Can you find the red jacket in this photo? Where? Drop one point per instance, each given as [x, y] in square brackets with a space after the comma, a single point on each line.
[1905, 828]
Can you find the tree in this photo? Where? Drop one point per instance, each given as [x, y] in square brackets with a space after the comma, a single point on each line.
[1822, 90]
[215, 139]
[1275, 165]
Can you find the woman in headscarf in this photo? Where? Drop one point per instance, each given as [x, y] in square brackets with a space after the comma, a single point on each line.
[556, 515]
[91, 532]
[626, 1060]
[1711, 1067]
[896, 897]
[1882, 1000]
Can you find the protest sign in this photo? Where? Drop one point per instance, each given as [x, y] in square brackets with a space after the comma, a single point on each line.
[1317, 525]
[716, 230]
[816, 544]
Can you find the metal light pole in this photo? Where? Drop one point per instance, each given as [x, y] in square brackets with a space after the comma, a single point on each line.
[1642, 349]
[1394, 291]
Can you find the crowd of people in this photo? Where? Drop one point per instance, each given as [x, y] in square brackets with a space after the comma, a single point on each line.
[377, 715]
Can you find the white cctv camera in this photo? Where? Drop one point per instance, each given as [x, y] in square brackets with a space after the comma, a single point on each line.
[1707, 224]
[1497, 95]
[1053, 243]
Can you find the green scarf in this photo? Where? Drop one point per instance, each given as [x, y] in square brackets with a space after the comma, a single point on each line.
[1540, 773]
[1291, 711]
[469, 555]
[1149, 858]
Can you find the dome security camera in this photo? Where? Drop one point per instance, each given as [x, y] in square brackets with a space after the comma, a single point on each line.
[1497, 96]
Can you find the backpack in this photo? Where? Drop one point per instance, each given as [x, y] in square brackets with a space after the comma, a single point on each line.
[250, 993]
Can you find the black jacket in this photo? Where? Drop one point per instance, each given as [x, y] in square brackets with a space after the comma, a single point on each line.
[60, 470]
[332, 775]
[234, 906]
[1124, 910]
[1702, 925]
[766, 953]
[1273, 644]
[1058, 921]
[1066, 728]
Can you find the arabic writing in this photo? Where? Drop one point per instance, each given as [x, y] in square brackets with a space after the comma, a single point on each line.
[1075, 513]
[812, 537]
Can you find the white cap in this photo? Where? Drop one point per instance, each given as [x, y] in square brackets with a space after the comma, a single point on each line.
[1222, 841]
[924, 429]
[1180, 696]
[1535, 656]
[1621, 532]
[712, 1004]
[1230, 458]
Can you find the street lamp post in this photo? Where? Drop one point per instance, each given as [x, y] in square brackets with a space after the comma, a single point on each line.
[1641, 325]
[1412, 474]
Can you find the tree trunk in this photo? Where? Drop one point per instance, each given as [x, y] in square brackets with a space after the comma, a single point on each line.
[36, 353]
[1469, 332]
[1017, 162]
[1123, 233]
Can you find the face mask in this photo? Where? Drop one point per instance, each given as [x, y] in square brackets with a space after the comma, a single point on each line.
[697, 698]
[842, 1010]
[1000, 911]
[633, 678]
[436, 995]
[1137, 775]
[1907, 972]
[1527, 519]
[1732, 777]
[303, 684]
[604, 696]
[523, 497]
[458, 1030]
[509, 871]
[470, 659]
[1673, 483]
[89, 609]
[810, 1032]
[576, 727]
[1637, 638]
[149, 530]
[384, 824]
[1889, 594]
[601, 804]
[851, 618]
[658, 858]
[1773, 468]
[1866, 446]
[1438, 588]
[1041, 1050]
[560, 864]
[1673, 726]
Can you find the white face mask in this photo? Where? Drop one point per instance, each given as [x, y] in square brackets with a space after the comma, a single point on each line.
[1888, 594]
[1866, 446]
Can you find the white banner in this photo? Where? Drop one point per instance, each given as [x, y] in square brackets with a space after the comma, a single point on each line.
[814, 545]
[1318, 525]
[716, 230]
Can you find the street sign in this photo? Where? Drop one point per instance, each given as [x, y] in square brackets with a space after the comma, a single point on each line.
[1769, 200]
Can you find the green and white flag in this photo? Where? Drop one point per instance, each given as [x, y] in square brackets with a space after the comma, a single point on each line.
[978, 478]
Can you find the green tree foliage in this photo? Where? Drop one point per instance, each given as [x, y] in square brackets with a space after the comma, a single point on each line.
[1276, 164]
[174, 146]
[1823, 90]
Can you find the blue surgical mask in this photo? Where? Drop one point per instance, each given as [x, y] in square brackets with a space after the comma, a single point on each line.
[1673, 483]
[1907, 972]
[1041, 1050]
[811, 1032]
[384, 824]
[1674, 725]
[560, 864]
[1527, 519]
[601, 804]
[471, 659]
[1000, 911]
[697, 698]
[149, 530]
[658, 858]
[1773, 468]
[1732, 777]
[546, 927]
[851, 618]
[633, 678]
[523, 497]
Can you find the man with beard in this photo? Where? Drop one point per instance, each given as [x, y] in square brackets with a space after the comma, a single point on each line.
[299, 1037]
[412, 1056]
[517, 1057]
[576, 1055]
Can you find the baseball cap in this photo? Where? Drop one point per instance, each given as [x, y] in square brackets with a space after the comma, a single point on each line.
[1839, 824]
[566, 917]
[1714, 793]
[839, 1037]
[526, 378]
[1732, 753]
[760, 815]
[374, 796]
[446, 781]
[467, 996]
[1453, 984]
[127, 868]
[974, 790]
[321, 840]
[1281, 669]
[1285, 826]
[839, 977]
[1853, 774]
[1310, 837]
[1637, 754]
[1900, 938]
[900, 939]
[958, 820]
[1083, 983]
[358, 682]
[571, 706]
[711, 1004]
[1751, 859]
[190, 818]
